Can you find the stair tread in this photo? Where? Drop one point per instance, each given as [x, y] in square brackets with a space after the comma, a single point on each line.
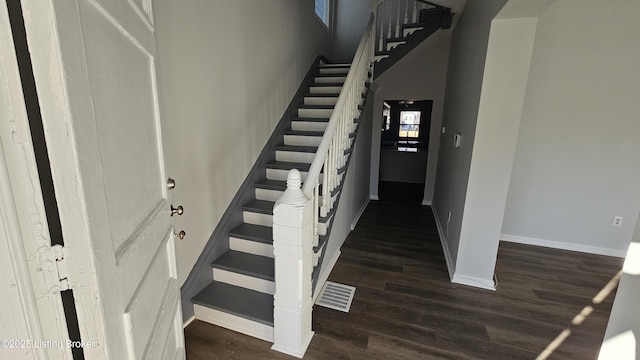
[304, 106]
[316, 84]
[413, 25]
[309, 95]
[236, 300]
[304, 133]
[298, 118]
[259, 206]
[261, 267]
[388, 40]
[286, 165]
[272, 184]
[322, 75]
[334, 65]
[297, 148]
[257, 233]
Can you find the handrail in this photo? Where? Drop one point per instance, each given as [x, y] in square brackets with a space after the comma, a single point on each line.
[363, 53]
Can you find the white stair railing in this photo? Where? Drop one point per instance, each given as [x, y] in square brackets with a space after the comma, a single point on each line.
[296, 213]
[331, 155]
[392, 14]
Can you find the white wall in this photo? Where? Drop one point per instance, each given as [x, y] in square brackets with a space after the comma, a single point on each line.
[419, 75]
[501, 101]
[622, 338]
[577, 162]
[462, 97]
[227, 70]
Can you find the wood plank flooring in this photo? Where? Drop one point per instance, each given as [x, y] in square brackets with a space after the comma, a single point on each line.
[549, 304]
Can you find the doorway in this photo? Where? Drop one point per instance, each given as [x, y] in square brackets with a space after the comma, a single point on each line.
[404, 149]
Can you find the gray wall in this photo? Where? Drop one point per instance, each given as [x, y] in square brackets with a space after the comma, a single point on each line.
[462, 97]
[350, 20]
[227, 70]
[577, 162]
[419, 75]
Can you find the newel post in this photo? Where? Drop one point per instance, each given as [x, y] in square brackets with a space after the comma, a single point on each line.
[293, 252]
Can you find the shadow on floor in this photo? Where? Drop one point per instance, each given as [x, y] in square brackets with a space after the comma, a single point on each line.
[400, 192]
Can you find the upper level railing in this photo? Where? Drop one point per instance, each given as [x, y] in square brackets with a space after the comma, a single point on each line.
[392, 14]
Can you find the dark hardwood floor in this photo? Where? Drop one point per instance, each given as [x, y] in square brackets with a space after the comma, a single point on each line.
[549, 304]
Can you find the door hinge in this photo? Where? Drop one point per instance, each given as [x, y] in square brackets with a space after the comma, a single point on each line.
[54, 269]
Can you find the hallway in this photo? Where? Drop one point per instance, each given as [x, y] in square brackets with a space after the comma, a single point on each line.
[406, 308]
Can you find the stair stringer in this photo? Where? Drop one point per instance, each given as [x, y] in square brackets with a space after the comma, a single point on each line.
[218, 243]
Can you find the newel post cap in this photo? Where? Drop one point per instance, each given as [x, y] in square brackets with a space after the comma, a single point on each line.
[293, 195]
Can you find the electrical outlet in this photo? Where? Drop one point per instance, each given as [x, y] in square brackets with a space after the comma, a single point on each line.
[617, 221]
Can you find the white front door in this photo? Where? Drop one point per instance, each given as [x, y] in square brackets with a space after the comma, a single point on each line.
[94, 65]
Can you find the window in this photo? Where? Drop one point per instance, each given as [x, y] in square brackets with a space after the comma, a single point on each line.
[322, 10]
[409, 124]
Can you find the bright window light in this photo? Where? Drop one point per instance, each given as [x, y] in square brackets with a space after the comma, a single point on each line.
[322, 10]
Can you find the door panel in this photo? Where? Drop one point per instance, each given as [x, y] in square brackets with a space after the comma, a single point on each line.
[97, 79]
[125, 110]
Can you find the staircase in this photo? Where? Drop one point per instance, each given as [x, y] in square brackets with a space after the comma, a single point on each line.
[404, 24]
[315, 138]
[240, 296]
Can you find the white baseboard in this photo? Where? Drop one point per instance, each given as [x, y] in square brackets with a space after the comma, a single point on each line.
[189, 321]
[427, 202]
[359, 214]
[443, 242]
[325, 275]
[474, 281]
[374, 197]
[563, 245]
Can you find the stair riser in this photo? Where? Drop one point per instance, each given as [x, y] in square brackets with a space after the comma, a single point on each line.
[281, 175]
[334, 71]
[309, 125]
[249, 282]
[315, 113]
[299, 140]
[322, 227]
[310, 100]
[292, 156]
[325, 90]
[257, 218]
[251, 247]
[317, 254]
[233, 322]
[330, 79]
[268, 195]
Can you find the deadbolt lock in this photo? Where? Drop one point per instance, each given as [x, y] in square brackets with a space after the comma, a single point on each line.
[177, 210]
[171, 183]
